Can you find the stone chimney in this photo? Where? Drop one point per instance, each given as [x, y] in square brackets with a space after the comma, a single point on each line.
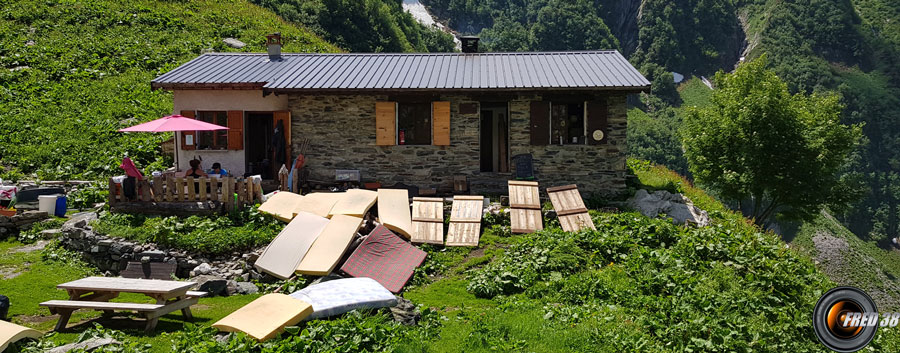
[273, 46]
[469, 44]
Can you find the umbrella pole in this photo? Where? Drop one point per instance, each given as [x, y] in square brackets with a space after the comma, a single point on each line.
[176, 150]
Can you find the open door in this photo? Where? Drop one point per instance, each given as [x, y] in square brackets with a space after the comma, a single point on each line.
[494, 137]
[258, 143]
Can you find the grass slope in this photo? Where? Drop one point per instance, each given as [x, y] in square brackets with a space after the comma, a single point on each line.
[634, 284]
[849, 260]
[74, 72]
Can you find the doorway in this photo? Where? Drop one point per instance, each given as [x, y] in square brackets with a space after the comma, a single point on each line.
[258, 144]
[494, 137]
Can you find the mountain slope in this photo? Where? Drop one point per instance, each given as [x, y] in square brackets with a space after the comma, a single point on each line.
[73, 72]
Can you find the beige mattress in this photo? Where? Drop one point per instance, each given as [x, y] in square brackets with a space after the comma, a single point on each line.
[266, 317]
[318, 203]
[328, 249]
[356, 202]
[281, 205]
[10, 333]
[393, 211]
[283, 255]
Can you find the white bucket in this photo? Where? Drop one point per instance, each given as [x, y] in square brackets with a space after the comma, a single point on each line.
[47, 203]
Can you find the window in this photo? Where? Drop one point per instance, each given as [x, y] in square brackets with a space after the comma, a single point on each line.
[413, 123]
[213, 140]
[567, 123]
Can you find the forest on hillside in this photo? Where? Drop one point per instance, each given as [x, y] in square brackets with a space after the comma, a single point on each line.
[848, 47]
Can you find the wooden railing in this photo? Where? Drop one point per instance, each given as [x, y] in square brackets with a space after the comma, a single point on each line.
[190, 189]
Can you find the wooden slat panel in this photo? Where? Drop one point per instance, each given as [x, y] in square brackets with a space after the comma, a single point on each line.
[428, 224]
[441, 123]
[191, 188]
[170, 189]
[204, 181]
[214, 189]
[570, 207]
[129, 285]
[80, 304]
[226, 192]
[465, 221]
[385, 123]
[525, 207]
[179, 189]
[157, 188]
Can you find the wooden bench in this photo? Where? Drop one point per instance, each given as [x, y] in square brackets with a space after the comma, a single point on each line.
[94, 293]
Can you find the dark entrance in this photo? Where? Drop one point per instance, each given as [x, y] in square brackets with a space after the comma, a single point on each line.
[258, 144]
[494, 137]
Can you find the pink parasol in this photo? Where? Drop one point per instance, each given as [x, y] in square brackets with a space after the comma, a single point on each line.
[173, 123]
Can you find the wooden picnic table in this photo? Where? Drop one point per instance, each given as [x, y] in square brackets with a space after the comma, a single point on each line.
[95, 293]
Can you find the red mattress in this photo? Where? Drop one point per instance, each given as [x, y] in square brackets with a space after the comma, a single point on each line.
[386, 258]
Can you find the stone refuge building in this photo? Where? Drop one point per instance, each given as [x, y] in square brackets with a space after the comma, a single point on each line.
[412, 118]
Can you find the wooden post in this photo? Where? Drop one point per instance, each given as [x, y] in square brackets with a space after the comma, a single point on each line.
[170, 188]
[191, 188]
[214, 189]
[145, 191]
[157, 188]
[179, 189]
[203, 182]
[226, 192]
[112, 192]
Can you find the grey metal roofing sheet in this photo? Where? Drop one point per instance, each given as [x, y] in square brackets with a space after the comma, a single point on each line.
[409, 71]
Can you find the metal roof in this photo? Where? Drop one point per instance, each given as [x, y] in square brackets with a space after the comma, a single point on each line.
[408, 71]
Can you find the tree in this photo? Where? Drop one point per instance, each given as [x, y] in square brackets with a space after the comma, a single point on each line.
[757, 143]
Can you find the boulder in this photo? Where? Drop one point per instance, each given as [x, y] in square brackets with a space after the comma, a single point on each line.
[79, 220]
[405, 312]
[244, 288]
[675, 206]
[85, 346]
[213, 285]
[234, 43]
[202, 269]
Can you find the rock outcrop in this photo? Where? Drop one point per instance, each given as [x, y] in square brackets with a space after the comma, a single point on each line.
[675, 206]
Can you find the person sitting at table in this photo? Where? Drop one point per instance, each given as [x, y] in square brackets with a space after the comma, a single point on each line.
[195, 170]
[218, 170]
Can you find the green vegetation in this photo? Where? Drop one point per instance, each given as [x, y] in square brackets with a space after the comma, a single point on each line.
[757, 143]
[363, 26]
[634, 284]
[210, 235]
[74, 72]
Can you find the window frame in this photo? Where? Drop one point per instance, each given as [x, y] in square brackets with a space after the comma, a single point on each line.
[215, 146]
[584, 122]
[397, 123]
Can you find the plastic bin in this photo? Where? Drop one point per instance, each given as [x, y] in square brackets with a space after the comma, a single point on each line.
[61, 207]
[47, 203]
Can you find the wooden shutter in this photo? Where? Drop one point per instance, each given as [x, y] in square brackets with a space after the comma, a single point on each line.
[285, 116]
[184, 134]
[235, 129]
[540, 123]
[597, 119]
[440, 123]
[385, 123]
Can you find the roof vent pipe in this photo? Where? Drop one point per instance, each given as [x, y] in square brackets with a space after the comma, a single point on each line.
[273, 46]
[469, 44]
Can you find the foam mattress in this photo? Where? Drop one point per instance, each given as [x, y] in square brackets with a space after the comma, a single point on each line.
[281, 205]
[318, 203]
[356, 202]
[342, 295]
[393, 211]
[11, 333]
[386, 258]
[284, 253]
[266, 316]
[330, 246]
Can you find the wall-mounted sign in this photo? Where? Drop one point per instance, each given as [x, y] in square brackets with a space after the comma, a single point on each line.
[598, 135]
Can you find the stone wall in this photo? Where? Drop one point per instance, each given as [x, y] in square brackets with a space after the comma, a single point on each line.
[10, 226]
[341, 129]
